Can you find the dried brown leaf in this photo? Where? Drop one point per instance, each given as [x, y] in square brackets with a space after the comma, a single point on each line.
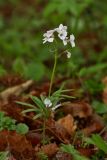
[80, 109]
[50, 149]
[68, 123]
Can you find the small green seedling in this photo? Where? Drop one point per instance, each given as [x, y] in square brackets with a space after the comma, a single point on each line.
[10, 124]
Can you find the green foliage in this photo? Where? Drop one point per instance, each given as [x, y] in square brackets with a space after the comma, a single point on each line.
[4, 155]
[39, 108]
[93, 86]
[71, 150]
[42, 156]
[2, 70]
[98, 155]
[97, 141]
[21, 29]
[75, 8]
[59, 95]
[34, 71]
[6, 122]
[88, 71]
[22, 128]
[10, 124]
[99, 107]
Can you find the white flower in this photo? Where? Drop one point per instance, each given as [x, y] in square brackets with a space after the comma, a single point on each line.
[48, 36]
[68, 54]
[62, 34]
[47, 102]
[72, 38]
[62, 31]
[65, 41]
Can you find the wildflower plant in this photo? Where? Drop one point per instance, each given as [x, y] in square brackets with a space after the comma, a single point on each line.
[44, 106]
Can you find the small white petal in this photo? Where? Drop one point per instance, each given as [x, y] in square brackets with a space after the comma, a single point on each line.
[47, 102]
[50, 39]
[57, 106]
[65, 42]
[68, 54]
[48, 36]
[44, 41]
[72, 38]
[62, 35]
[48, 33]
[61, 27]
[62, 31]
[73, 44]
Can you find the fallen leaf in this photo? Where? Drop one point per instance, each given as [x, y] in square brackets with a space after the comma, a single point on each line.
[50, 149]
[80, 109]
[95, 126]
[68, 123]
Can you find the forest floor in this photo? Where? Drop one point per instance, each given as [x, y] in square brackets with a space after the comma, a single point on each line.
[69, 124]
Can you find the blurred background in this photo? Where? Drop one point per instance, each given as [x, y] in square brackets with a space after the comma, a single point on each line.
[23, 22]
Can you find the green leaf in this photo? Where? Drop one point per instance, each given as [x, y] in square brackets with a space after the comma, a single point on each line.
[25, 104]
[2, 114]
[4, 155]
[22, 128]
[2, 70]
[19, 65]
[28, 110]
[34, 71]
[92, 69]
[37, 116]
[97, 141]
[71, 150]
[40, 105]
[93, 86]
[38, 102]
[99, 107]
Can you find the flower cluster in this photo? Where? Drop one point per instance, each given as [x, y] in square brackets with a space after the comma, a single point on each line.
[62, 34]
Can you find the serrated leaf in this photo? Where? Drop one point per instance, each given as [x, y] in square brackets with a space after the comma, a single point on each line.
[22, 128]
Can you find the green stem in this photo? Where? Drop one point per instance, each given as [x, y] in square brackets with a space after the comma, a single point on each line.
[44, 127]
[53, 73]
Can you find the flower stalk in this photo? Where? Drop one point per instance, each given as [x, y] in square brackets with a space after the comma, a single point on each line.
[43, 133]
[62, 35]
[53, 72]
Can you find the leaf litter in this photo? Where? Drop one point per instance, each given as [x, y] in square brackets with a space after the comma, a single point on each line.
[69, 124]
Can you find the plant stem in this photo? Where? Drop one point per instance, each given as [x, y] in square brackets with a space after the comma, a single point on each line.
[53, 73]
[44, 126]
